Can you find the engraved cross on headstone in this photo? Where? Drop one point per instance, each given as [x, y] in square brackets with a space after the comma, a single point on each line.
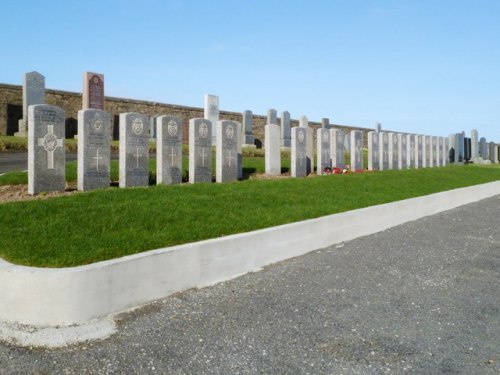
[203, 156]
[97, 158]
[49, 143]
[137, 156]
[301, 157]
[172, 156]
[229, 158]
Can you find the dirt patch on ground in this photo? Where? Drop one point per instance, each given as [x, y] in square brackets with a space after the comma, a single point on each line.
[13, 193]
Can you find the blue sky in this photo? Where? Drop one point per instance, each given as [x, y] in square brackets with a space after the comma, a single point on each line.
[421, 66]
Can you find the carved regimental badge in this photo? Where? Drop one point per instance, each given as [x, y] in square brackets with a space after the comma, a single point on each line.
[172, 128]
[301, 136]
[203, 130]
[137, 126]
[325, 137]
[230, 131]
[96, 122]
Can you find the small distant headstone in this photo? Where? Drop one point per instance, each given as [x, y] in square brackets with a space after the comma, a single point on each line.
[393, 151]
[200, 150]
[446, 150]
[323, 150]
[492, 152]
[211, 112]
[272, 149]
[402, 151]
[46, 155]
[347, 141]
[272, 116]
[93, 149]
[467, 148]
[168, 150]
[33, 93]
[153, 120]
[451, 148]
[483, 148]
[419, 141]
[247, 126]
[378, 127]
[286, 132]
[134, 150]
[226, 153]
[356, 150]
[474, 143]
[93, 91]
[440, 147]
[299, 152]
[303, 122]
[383, 150]
[434, 154]
[410, 150]
[373, 151]
[337, 148]
[459, 142]
[325, 123]
[426, 151]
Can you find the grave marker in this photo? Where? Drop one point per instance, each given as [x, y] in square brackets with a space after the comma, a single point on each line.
[247, 133]
[168, 150]
[33, 93]
[325, 123]
[299, 152]
[200, 150]
[426, 150]
[419, 151]
[410, 150]
[492, 152]
[304, 123]
[356, 150]
[272, 149]
[286, 134]
[337, 148]
[383, 150]
[226, 153]
[373, 151]
[134, 150]
[483, 148]
[93, 91]
[272, 116]
[474, 135]
[402, 151]
[211, 112]
[323, 150]
[393, 151]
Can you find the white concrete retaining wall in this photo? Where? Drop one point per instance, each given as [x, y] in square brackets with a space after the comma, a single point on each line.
[68, 296]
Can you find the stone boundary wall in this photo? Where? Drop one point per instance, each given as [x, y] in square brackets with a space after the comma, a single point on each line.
[11, 102]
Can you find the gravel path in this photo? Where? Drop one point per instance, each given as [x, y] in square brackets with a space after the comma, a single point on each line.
[421, 298]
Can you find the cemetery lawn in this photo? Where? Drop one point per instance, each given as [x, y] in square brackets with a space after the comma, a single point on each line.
[94, 226]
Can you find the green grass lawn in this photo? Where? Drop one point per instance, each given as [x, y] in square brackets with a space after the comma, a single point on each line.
[99, 225]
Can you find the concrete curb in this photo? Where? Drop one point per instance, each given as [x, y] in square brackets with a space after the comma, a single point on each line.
[33, 299]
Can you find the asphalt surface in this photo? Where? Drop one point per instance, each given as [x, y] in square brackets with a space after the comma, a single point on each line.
[18, 161]
[420, 298]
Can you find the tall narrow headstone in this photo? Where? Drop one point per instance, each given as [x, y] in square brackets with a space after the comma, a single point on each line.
[299, 152]
[402, 151]
[383, 138]
[247, 126]
[168, 150]
[153, 121]
[272, 149]
[459, 143]
[337, 148]
[419, 153]
[272, 116]
[46, 155]
[378, 127]
[452, 148]
[439, 152]
[492, 152]
[93, 149]
[433, 158]
[33, 93]
[446, 150]
[410, 150]
[426, 151]
[393, 151]
[93, 91]
[474, 143]
[200, 150]
[373, 151]
[211, 112]
[226, 152]
[286, 134]
[467, 149]
[356, 150]
[483, 148]
[134, 150]
[304, 123]
[325, 123]
[323, 150]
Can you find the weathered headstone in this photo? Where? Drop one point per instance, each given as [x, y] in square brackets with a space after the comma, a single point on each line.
[492, 152]
[439, 152]
[93, 149]
[446, 150]
[286, 134]
[226, 152]
[200, 150]
[299, 152]
[483, 148]
[452, 148]
[153, 121]
[356, 150]
[33, 93]
[272, 149]
[474, 135]
[272, 116]
[325, 123]
[304, 123]
[168, 150]
[459, 143]
[247, 126]
[337, 148]
[134, 150]
[426, 151]
[402, 151]
[393, 151]
[378, 127]
[323, 150]
[467, 149]
[211, 111]
[373, 151]
[383, 150]
[433, 158]
[46, 155]
[93, 91]
[410, 150]
[419, 157]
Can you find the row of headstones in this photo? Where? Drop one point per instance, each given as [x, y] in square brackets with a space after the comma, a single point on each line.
[46, 154]
[473, 148]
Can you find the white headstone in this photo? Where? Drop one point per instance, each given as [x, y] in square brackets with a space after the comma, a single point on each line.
[299, 152]
[410, 150]
[168, 150]
[393, 151]
[383, 141]
[356, 150]
[134, 150]
[200, 150]
[373, 151]
[323, 150]
[337, 148]
[474, 143]
[226, 152]
[33, 93]
[272, 149]
[402, 151]
[211, 111]
[419, 147]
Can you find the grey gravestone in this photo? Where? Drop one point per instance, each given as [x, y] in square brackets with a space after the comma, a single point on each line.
[467, 149]
[402, 151]
[474, 135]
[240, 151]
[439, 152]
[168, 150]
[325, 123]
[211, 111]
[153, 127]
[410, 150]
[492, 152]
[247, 125]
[299, 152]
[393, 151]
[459, 141]
[134, 150]
[93, 149]
[323, 150]
[226, 153]
[419, 146]
[33, 93]
[46, 156]
[272, 149]
[200, 150]
[304, 123]
[426, 150]
[285, 130]
[272, 117]
[452, 148]
[378, 127]
[356, 150]
[347, 142]
[93, 91]
[483, 149]
[434, 152]
[373, 151]
[383, 141]
[446, 150]
[337, 148]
